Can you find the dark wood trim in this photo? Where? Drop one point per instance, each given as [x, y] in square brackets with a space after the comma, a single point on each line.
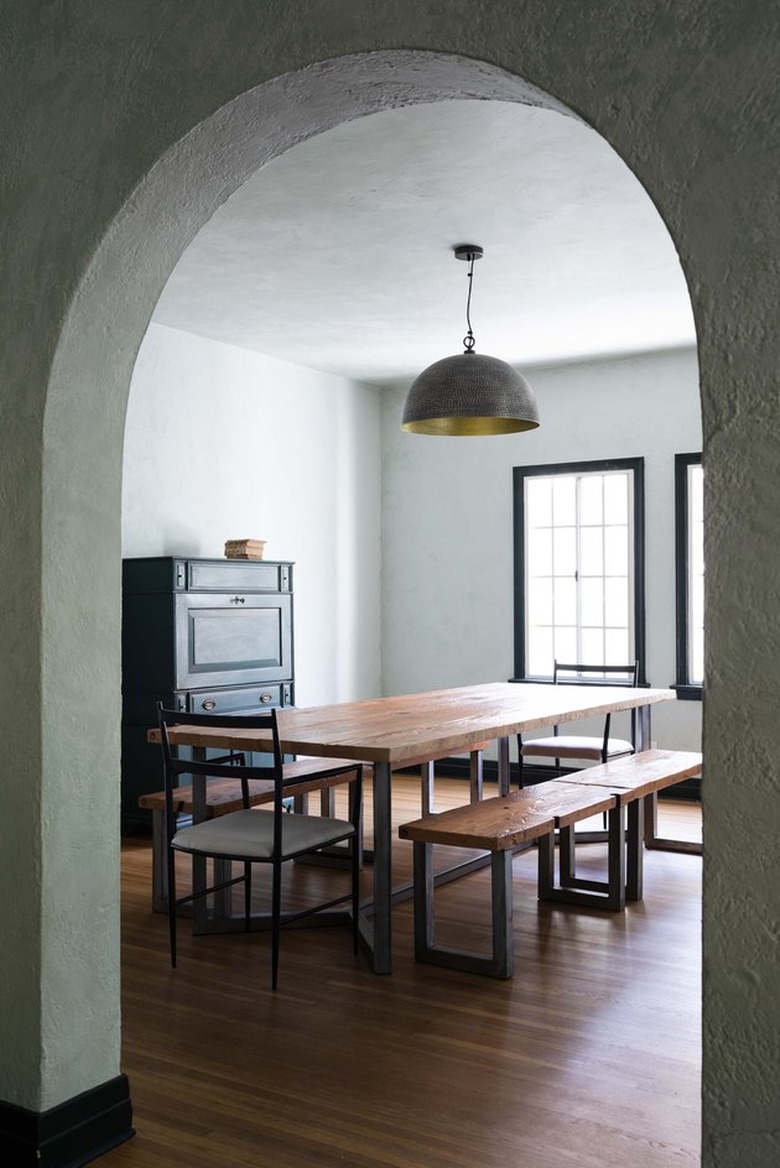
[685, 690]
[518, 530]
[638, 467]
[689, 693]
[597, 466]
[73, 1133]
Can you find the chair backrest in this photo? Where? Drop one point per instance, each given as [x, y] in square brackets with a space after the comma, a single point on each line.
[212, 769]
[627, 675]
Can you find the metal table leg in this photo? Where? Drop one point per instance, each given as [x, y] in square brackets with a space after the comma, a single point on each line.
[381, 934]
[503, 766]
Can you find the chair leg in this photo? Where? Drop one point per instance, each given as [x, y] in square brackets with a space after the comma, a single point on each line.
[247, 895]
[355, 896]
[171, 866]
[276, 921]
[356, 850]
[520, 775]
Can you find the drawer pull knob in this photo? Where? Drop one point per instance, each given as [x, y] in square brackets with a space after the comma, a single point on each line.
[208, 704]
[237, 599]
[266, 698]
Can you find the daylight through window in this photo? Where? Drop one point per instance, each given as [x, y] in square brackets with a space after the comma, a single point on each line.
[576, 550]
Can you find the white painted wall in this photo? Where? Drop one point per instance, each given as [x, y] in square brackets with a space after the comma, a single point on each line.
[447, 602]
[222, 443]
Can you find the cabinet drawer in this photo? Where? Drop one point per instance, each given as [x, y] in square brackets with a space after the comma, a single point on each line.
[248, 700]
[241, 575]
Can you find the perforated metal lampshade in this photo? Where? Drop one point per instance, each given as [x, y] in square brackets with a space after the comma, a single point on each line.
[470, 394]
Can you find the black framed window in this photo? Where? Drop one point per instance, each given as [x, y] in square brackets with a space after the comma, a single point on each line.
[579, 565]
[689, 568]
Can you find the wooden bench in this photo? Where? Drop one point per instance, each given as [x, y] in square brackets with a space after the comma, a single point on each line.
[499, 825]
[224, 796]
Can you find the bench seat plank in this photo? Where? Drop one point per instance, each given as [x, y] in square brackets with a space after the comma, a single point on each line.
[502, 823]
[640, 774]
[224, 795]
[494, 825]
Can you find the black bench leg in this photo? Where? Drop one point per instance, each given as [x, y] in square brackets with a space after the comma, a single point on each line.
[503, 914]
[566, 856]
[501, 962]
[546, 865]
[634, 849]
[616, 860]
[424, 921]
[609, 894]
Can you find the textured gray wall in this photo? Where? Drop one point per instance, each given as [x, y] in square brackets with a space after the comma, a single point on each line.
[124, 124]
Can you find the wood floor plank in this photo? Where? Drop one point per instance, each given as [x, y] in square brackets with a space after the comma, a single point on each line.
[589, 1057]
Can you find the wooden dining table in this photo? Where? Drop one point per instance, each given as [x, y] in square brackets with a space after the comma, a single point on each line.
[389, 731]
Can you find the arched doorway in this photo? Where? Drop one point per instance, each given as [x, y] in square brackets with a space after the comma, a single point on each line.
[89, 318]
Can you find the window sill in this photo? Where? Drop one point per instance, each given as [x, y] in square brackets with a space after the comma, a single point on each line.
[688, 693]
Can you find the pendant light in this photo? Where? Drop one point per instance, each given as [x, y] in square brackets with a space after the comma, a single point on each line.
[469, 393]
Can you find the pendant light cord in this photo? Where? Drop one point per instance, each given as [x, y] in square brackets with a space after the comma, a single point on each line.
[468, 340]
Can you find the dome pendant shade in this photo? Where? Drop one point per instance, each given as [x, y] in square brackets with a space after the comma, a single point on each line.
[470, 394]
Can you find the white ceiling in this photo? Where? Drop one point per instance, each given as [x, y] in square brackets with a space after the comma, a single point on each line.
[338, 254]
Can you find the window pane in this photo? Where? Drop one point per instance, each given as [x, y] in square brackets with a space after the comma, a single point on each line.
[696, 492]
[696, 551]
[538, 553]
[564, 551]
[592, 652]
[591, 499]
[616, 497]
[616, 647]
[696, 665]
[697, 597]
[696, 631]
[540, 652]
[592, 551]
[616, 601]
[564, 500]
[565, 645]
[538, 502]
[592, 602]
[565, 601]
[539, 601]
[616, 551]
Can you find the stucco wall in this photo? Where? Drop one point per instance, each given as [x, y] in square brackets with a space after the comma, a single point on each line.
[123, 126]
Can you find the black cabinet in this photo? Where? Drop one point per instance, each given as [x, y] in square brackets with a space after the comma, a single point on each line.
[203, 636]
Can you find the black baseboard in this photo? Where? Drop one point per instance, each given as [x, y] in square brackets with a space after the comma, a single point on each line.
[72, 1134]
[458, 768]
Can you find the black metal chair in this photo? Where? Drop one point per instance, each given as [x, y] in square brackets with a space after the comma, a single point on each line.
[258, 835]
[571, 746]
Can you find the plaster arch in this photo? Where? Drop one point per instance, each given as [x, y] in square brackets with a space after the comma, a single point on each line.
[101, 332]
[709, 165]
[108, 317]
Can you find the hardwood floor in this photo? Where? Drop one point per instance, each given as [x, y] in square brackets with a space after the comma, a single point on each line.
[589, 1057]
